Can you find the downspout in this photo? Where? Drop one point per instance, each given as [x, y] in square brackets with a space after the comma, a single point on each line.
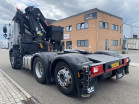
[97, 31]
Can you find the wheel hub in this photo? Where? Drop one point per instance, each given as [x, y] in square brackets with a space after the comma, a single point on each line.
[39, 69]
[64, 77]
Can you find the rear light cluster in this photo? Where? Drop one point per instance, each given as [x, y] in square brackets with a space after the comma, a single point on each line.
[126, 60]
[96, 69]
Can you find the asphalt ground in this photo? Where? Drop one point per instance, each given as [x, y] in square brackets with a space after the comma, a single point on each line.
[132, 54]
[110, 91]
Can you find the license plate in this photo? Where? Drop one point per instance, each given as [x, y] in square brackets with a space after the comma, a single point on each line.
[115, 64]
[91, 89]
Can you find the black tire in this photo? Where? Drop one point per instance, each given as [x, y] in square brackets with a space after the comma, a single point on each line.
[112, 75]
[42, 78]
[13, 59]
[71, 89]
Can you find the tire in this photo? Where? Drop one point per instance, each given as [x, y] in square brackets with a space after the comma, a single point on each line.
[39, 70]
[13, 59]
[112, 75]
[69, 88]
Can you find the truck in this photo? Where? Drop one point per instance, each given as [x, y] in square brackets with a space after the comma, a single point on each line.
[35, 45]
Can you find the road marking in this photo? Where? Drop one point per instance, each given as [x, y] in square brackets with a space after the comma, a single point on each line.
[17, 85]
[134, 64]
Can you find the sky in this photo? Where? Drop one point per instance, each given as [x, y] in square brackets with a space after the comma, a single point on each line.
[58, 9]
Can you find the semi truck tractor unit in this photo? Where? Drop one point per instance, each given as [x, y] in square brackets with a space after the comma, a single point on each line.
[35, 45]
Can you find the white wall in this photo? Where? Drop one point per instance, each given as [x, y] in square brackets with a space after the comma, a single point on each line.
[129, 30]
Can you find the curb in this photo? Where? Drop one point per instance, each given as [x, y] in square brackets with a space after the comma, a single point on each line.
[30, 99]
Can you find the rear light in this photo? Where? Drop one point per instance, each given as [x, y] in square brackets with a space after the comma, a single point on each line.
[96, 69]
[126, 60]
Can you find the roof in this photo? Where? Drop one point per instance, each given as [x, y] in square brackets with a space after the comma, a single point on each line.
[92, 10]
[50, 20]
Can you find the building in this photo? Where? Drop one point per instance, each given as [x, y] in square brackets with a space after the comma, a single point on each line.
[49, 21]
[132, 33]
[92, 30]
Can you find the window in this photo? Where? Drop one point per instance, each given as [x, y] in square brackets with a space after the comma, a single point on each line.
[135, 36]
[82, 43]
[114, 27]
[68, 28]
[104, 25]
[114, 42]
[86, 25]
[82, 26]
[11, 31]
[78, 26]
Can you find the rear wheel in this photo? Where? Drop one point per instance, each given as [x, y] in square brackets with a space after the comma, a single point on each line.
[39, 70]
[112, 75]
[64, 79]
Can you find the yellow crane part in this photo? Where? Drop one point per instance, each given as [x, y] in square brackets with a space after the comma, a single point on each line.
[41, 45]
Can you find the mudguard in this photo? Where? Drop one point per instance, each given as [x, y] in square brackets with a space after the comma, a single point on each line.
[14, 47]
[110, 53]
[76, 62]
[47, 58]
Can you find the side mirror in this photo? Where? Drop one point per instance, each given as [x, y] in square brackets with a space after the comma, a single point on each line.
[5, 29]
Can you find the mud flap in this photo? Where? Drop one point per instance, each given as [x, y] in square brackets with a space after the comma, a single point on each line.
[126, 69]
[89, 89]
[92, 87]
[119, 73]
[89, 85]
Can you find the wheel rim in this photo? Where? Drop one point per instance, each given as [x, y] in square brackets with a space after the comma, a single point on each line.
[39, 69]
[64, 77]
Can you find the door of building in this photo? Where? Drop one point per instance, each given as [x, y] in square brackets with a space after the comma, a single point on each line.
[106, 44]
[63, 45]
[68, 44]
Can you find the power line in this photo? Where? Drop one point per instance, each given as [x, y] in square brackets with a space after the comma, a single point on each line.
[130, 25]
